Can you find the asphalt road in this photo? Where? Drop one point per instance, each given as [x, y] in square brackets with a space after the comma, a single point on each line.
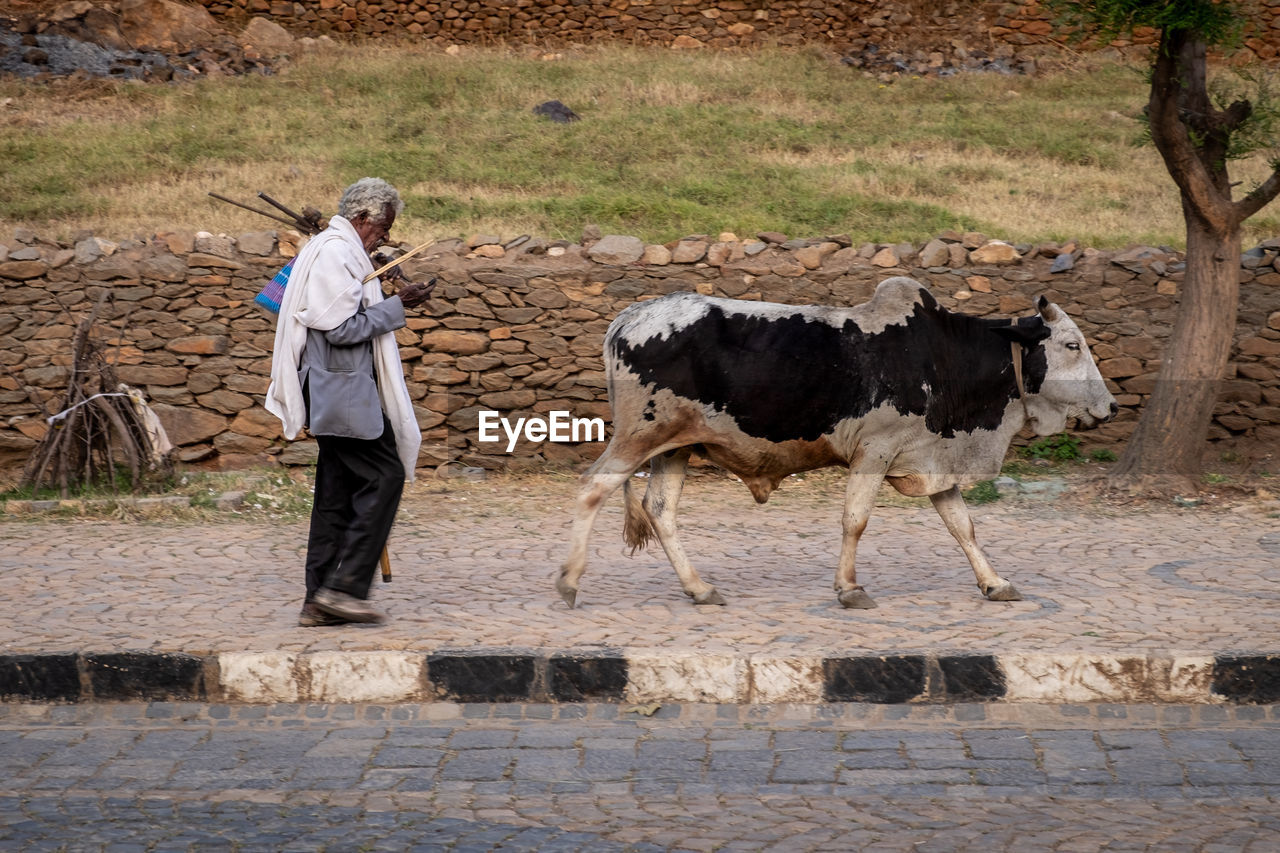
[528, 777]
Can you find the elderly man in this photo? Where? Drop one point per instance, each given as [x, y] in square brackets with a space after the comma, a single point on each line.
[336, 370]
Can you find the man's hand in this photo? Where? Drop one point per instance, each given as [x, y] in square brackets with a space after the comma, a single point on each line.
[413, 295]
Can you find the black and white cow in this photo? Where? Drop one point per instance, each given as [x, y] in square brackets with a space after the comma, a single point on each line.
[896, 389]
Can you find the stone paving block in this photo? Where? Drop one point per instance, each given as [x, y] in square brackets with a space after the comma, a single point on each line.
[968, 678]
[1206, 773]
[576, 677]
[806, 769]
[608, 765]
[655, 753]
[164, 744]
[1017, 775]
[408, 757]
[784, 679]
[551, 765]
[91, 748]
[889, 679]
[1147, 770]
[686, 678]
[806, 740]
[478, 765]
[935, 758]
[1147, 743]
[1247, 678]
[751, 764]
[259, 677]
[377, 676]
[875, 759]
[997, 744]
[871, 740]
[42, 677]
[730, 740]
[134, 675]
[483, 739]
[890, 778]
[1136, 622]
[1070, 752]
[1104, 678]
[482, 677]
[548, 735]
[692, 733]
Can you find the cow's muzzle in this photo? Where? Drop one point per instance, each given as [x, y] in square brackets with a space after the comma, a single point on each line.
[1091, 421]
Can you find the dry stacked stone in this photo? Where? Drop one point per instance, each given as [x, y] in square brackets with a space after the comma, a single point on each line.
[166, 39]
[517, 328]
[951, 30]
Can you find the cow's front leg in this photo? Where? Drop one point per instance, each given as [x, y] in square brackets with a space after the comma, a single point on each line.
[950, 505]
[666, 482]
[859, 500]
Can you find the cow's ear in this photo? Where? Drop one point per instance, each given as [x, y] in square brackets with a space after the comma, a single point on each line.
[1028, 331]
[1050, 312]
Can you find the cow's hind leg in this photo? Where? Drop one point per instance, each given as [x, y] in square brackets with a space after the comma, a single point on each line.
[601, 479]
[950, 505]
[859, 500]
[666, 481]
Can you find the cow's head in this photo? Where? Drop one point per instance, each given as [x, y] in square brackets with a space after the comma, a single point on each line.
[1062, 381]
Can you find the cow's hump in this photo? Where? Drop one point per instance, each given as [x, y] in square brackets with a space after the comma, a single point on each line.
[893, 302]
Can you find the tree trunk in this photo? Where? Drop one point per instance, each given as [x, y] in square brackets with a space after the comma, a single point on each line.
[1166, 451]
[1194, 139]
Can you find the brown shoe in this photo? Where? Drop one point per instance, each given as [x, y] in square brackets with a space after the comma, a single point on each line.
[313, 617]
[345, 606]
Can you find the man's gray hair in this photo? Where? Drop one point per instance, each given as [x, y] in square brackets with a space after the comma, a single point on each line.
[369, 196]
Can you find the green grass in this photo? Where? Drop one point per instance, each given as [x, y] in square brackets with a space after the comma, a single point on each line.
[268, 493]
[1055, 448]
[670, 144]
[984, 492]
[118, 484]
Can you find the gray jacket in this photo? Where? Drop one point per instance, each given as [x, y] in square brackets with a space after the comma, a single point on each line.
[337, 375]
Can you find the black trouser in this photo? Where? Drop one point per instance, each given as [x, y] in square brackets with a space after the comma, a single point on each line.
[358, 486]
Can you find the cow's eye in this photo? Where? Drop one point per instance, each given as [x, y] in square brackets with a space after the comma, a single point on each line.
[1073, 346]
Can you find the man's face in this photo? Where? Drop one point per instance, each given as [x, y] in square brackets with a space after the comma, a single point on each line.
[373, 233]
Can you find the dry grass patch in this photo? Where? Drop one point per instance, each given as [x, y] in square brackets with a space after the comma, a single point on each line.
[670, 144]
[1032, 198]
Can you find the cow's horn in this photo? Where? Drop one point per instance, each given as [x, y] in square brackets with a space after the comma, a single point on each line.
[1048, 310]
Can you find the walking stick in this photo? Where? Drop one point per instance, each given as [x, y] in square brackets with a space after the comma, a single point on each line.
[385, 559]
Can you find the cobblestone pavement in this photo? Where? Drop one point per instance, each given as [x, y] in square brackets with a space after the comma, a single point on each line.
[474, 565]
[602, 777]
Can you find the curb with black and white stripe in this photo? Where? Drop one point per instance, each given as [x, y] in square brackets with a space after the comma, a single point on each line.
[513, 675]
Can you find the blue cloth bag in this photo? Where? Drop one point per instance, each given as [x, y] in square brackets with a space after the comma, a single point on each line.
[273, 294]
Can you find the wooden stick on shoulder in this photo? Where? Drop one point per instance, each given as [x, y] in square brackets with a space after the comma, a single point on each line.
[398, 261]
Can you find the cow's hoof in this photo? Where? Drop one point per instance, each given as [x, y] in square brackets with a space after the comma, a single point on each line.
[1003, 592]
[856, 599]
[568, 593]
[709, 597]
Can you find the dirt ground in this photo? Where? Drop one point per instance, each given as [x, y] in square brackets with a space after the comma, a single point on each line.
[1085, 492]
[1237, 485]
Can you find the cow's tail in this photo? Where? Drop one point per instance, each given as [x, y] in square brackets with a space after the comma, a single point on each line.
[637, 527]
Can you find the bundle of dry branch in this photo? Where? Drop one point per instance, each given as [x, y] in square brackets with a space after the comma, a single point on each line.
[102, 427]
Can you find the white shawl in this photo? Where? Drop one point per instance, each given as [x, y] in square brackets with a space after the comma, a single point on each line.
[324, 290]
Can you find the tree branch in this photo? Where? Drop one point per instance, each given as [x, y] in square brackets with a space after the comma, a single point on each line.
[1259, 198]
[1230, 119]
[1171, 96]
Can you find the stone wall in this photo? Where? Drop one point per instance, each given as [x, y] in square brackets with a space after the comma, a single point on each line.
[519, 328]
[908, 25]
